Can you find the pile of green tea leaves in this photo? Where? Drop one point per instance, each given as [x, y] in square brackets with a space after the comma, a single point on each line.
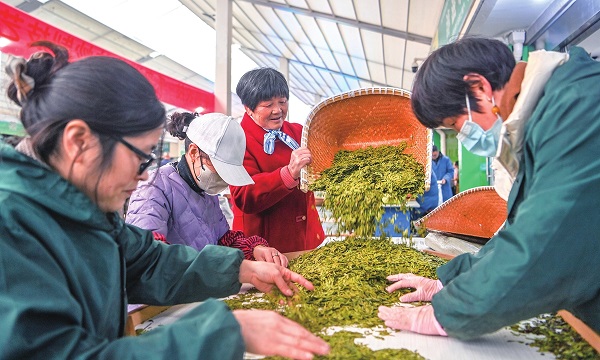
[343, 348]
[350, 280]
[557, 337]
[360, 182]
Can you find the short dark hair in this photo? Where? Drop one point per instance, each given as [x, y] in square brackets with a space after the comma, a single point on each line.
[261, 84]
[439, 89]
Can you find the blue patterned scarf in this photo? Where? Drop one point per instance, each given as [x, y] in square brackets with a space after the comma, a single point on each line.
[271, 135]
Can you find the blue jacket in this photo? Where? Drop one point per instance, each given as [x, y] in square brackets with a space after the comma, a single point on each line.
[429, 200]
[443, 169]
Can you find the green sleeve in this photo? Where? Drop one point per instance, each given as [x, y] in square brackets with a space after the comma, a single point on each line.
[462, 263]
[545, 258]
[209, 331]
[51, 288]
[161, 274]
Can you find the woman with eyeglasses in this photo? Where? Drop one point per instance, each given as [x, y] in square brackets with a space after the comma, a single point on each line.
[70, 265]
[181, 202]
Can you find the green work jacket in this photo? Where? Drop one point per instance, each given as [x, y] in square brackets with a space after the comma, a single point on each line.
[547, 257]
[68, 270]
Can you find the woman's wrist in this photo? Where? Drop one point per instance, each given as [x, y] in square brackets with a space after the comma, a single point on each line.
[287, 178]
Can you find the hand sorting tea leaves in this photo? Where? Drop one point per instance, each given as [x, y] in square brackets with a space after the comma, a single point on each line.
[350, 280]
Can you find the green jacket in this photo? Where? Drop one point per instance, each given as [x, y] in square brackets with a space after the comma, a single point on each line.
[547, 257]
[68, 270]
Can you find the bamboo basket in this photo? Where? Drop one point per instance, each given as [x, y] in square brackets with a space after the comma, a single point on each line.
[474, 215]
[359, 119]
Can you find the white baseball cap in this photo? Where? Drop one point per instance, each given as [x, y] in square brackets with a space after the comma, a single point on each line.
[222, 138]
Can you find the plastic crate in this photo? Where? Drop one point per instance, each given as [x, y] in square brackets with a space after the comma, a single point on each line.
[394, 227]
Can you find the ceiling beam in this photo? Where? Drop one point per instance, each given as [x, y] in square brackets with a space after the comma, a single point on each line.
[315, 66]
[563, 22]
[351, 22]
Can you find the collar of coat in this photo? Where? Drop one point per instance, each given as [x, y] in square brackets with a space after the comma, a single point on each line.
[186, 174]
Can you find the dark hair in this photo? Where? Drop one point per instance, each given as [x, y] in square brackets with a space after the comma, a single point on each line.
[112, 97]
[439, 89]
[178, 123]
[261, 84]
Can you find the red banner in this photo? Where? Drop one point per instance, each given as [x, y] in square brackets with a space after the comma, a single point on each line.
[22, 29]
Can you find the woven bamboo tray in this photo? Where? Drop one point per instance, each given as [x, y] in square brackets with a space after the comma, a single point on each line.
[475, 215]
[359, 119]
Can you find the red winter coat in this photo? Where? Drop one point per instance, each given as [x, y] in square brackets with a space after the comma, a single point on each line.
[287, 218]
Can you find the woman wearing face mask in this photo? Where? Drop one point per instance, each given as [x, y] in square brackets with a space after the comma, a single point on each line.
[540, 262]
[546, 256]
[181, 201]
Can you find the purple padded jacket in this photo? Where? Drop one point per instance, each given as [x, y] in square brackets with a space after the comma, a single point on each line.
[156, 203]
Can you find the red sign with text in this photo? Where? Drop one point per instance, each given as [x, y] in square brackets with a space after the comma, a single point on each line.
[22, 29]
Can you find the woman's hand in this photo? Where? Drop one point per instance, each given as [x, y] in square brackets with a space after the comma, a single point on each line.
[420, 319]
[268, 333]
[425, 288]
[269, 254]
[299, 159]
[264, 276]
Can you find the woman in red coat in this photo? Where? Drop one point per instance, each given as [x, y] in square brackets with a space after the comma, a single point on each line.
[273, 207]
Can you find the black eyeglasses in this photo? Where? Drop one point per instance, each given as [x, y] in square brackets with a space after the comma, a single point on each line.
[150, 158]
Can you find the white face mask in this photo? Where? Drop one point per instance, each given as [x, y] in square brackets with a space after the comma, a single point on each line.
[211, 182]
[477, 140]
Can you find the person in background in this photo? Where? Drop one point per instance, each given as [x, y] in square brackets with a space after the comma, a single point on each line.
[274, 207]
[70, 264]
[181, 201]
[428, 201]
[455, 188]
[542, 260]
[444, 171]
[166, 158]
[225, 204]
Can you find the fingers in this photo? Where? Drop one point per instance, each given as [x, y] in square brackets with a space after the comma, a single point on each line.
[397, 285]
[283, 286]
[286, 337]
[279, 258]
[299, 343]
[269, 254]
[394, 317]
[399, 277]
[413, 296]
[402, 281]
[420, 319]
[266, 256]
[300, 158]
[284, 260]
[300, 280]
[276, 256]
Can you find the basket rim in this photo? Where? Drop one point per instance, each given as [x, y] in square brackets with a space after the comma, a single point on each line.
[451, 202]
[304, 176]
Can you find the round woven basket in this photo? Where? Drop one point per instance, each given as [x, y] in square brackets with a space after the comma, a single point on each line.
[359, 119]
[476, 213]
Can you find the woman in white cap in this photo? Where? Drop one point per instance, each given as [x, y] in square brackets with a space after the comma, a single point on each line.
[181, 202]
